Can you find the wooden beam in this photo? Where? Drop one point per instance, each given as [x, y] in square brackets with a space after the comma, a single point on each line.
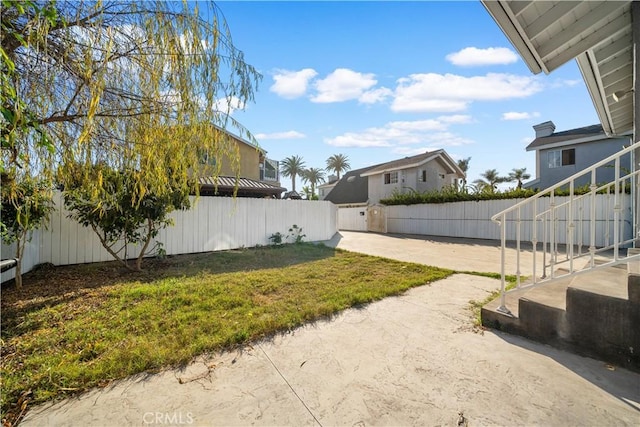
[588, 42]
[549, 17]
[582, 25]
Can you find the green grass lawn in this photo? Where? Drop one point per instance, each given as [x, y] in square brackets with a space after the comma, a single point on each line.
[72, 328]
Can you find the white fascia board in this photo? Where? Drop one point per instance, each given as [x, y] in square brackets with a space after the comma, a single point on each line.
[399, 168]
[452, 164]
[593, 81]
[508, 23]
[571, 142]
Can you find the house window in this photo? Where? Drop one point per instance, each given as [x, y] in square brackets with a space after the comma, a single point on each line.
[423, 175]
[391, 178]
[206, 159]
[559, 158]
[441, 175]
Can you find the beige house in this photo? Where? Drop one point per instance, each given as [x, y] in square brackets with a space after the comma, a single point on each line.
[259, 176]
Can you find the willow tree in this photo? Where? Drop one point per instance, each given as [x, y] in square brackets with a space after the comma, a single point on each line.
[126, 84]
[143, 88]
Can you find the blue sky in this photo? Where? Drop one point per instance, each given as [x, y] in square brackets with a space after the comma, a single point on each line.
[378, 81]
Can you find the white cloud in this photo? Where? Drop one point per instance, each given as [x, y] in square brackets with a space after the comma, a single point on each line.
[433, 92]
[401, 133]
[292, 84]
[456, 119]
[228, 105]
[375, 95]
[514, 115]
[342, 85]
[559, 83]
[472, 56]
[291, 134]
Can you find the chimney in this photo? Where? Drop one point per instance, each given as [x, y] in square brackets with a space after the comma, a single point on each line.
[544, 129]
[332, 178]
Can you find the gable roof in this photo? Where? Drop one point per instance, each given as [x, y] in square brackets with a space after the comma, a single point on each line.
[415, 161]
[351, 188]
[583, 134]
[253, 145]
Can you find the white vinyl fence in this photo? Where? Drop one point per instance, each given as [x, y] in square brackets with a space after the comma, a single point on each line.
[473, 219]
[353, 219]
[212, 224]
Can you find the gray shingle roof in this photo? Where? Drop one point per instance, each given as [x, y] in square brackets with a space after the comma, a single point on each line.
[567, 135]
[352, 188]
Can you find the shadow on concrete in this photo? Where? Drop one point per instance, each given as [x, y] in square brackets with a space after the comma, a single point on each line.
[616, 381]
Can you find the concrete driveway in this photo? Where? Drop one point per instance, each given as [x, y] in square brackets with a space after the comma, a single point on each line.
[447, 252]
[408, 360]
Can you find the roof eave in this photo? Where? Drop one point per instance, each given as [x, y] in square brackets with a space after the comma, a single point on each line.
[591, 78]
[514, 32]
[397, 168]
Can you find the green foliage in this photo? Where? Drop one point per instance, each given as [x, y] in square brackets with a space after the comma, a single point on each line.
[25, 207]
[17, 119]
[295, 236]
[291, 167]
[314, 176]
[518, 175]
[338, 163]
[451, 194]
[131, 84]
[276, 238]
[476, 306]
[108, 203]
[489, 182]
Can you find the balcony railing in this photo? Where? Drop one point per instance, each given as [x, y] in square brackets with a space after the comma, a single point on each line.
[567, 234]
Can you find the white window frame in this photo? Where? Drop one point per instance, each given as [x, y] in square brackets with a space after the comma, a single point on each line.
[554, 159]
[393, 178]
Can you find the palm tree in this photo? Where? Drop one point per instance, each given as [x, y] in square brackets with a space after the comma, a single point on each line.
[338, 163]
[490, 181]
[313, 176]
[519, 175]
[292, 166]
[463, 164]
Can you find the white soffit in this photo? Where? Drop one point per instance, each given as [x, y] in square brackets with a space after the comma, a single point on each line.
[547, 34]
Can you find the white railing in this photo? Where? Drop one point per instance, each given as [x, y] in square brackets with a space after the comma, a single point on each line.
[573, 221]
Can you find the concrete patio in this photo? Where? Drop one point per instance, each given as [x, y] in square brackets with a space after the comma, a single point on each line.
[415, 359]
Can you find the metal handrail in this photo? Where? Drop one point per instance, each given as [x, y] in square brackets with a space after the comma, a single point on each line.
[547, 222]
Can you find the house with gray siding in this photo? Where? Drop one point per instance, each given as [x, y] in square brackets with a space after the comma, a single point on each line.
[561, 154]
[428, 171]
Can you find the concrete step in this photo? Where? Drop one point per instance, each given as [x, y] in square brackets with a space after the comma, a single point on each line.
[596, 313]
